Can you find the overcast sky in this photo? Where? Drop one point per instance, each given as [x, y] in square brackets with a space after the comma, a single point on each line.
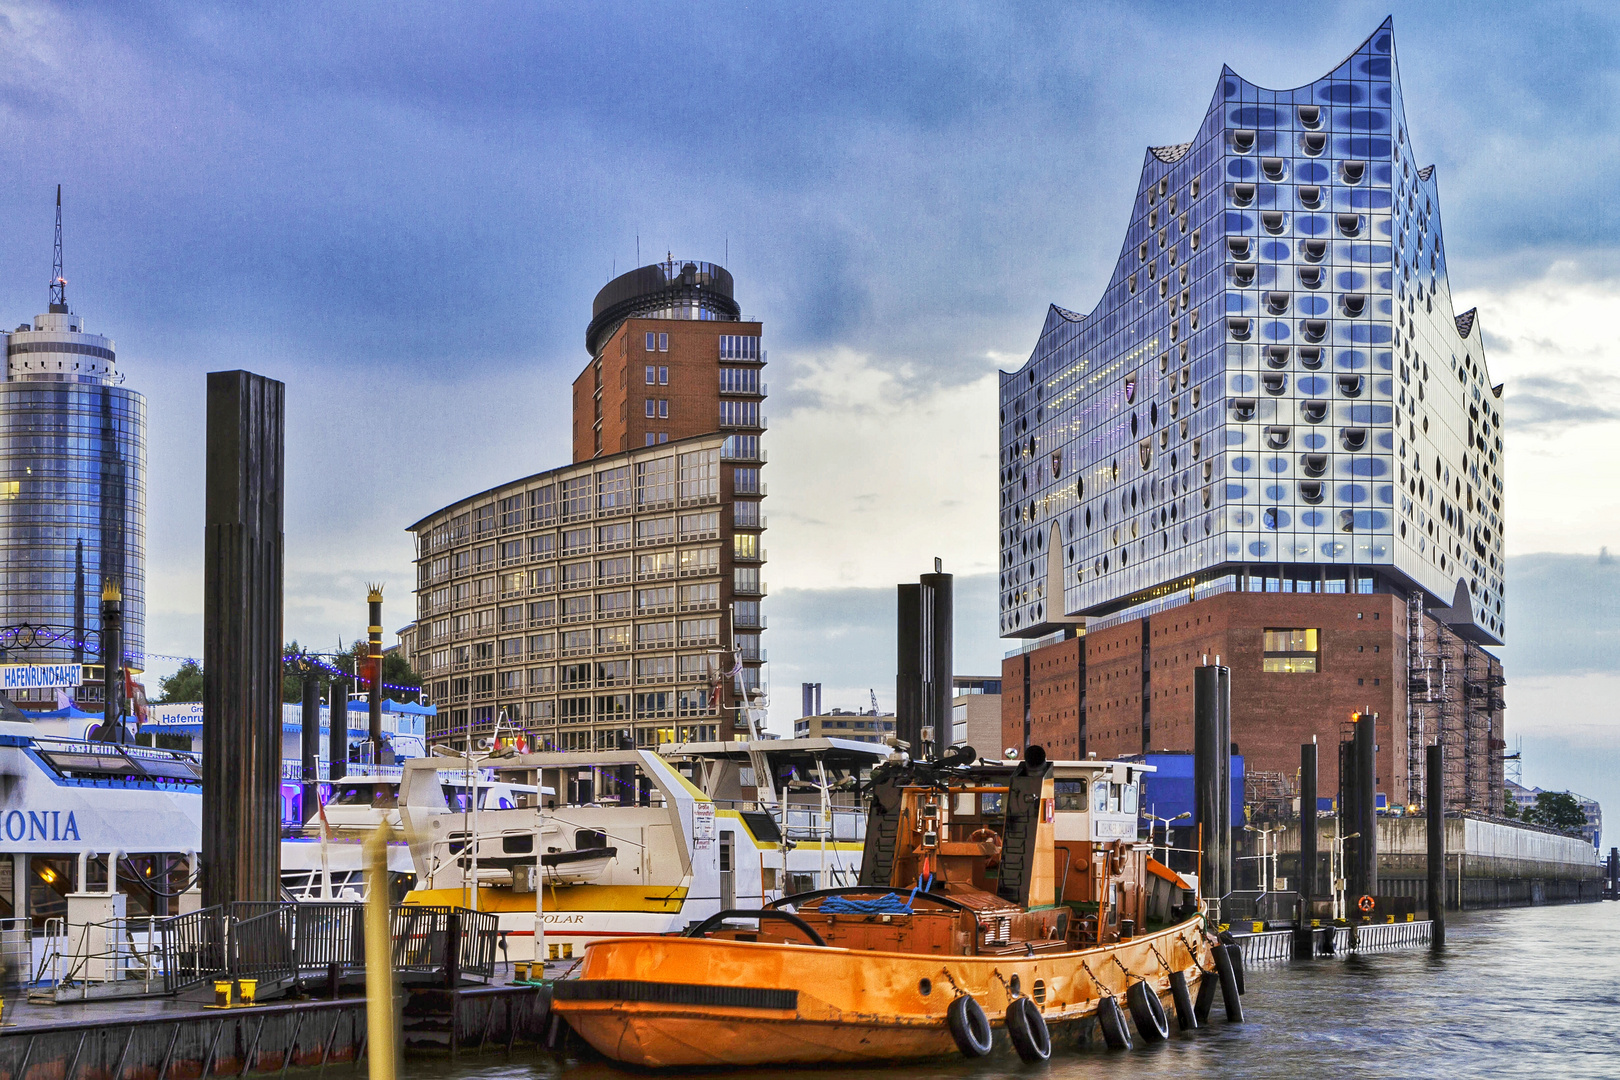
[403, 211]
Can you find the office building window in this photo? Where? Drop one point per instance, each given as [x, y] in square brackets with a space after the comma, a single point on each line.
[745, 514]
[652, 409]
[663, 376]
[745, 546]
[652, 342]
[739, 380]
[1291, 651]
[745, 481]
[663, 343]
[737, 347]
[739, 414]
[652, 375]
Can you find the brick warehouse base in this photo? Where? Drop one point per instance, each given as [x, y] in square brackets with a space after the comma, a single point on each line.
[1126, 689]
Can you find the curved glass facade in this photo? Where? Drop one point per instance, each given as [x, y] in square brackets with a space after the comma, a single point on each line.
[72, 493]
[1274, 387]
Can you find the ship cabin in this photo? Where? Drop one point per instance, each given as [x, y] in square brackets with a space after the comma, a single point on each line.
[1003, 858]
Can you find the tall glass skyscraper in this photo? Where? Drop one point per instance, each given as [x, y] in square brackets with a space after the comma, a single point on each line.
[1274, 385]
[72, 486]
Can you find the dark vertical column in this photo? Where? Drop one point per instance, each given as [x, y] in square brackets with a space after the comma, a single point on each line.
[1307, 822]
[241, 843]
[78, 602]
[1212, 792]
[337, 737]
[374, 662]
[1350, 823]
[937, 661]
[1434, 805]
[112, 662]
[1367, 800]
[1223, 716]
[1304, 935]
[908, 682]
[310, 731]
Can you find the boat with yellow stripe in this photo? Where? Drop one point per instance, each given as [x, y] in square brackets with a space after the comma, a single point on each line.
[634, 842]
[998, 903]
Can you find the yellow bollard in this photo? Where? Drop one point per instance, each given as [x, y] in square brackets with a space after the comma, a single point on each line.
[223, 994]
[380, 1033]
[250, 991]
[520, 971]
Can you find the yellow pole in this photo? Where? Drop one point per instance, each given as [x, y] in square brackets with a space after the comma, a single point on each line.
[383, 1046]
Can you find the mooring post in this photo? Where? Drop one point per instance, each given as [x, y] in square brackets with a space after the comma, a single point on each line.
[1304, 933]
[452, 950]
[1435, 807]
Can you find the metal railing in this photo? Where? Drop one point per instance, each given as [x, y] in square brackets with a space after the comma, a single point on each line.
[275, 943]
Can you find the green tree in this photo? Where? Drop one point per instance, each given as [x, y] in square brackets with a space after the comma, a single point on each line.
[1510, 806]
[1556, 810]
[186, 684]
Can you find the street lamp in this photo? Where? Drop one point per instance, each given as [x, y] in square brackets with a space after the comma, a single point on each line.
[1268, 881]
[1152, 817]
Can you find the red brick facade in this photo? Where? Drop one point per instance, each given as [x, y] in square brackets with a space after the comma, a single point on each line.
[1362, 665]
[690, 398]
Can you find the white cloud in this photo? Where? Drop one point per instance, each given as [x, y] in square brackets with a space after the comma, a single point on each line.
[1553, 338]
[878, 473]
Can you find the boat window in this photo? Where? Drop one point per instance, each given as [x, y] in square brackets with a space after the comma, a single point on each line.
[589, 838]
[990, 805]
[1099, 796]
[522, 844]
[1128, 802]
[456, 796]
[966, 804]
[1071, 795]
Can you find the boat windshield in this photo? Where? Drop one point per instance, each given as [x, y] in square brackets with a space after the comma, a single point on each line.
[377, 796]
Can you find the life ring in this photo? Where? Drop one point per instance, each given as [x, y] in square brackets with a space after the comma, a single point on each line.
[1148, 1012]
[1366, 904]
[1116, 857]
[1027, 1030]
[969, 1026]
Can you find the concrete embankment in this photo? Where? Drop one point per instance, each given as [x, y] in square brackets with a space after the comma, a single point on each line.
[148, 1040]
[1489, 862]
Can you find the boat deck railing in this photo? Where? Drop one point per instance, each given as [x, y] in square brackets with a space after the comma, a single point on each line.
[278, 944]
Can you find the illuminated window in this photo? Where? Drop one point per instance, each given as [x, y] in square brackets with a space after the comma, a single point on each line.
[1291, 651]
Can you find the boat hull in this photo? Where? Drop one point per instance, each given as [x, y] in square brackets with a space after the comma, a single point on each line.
[697, 1002]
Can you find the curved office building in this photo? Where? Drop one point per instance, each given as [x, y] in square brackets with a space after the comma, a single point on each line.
[72, 488]
[1274, 388]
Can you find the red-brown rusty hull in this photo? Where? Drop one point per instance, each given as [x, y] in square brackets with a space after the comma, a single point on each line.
[696, 1002]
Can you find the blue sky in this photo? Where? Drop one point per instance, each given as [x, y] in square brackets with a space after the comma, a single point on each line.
[404, 210]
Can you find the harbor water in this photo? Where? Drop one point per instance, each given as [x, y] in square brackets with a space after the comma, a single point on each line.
[1522, 992]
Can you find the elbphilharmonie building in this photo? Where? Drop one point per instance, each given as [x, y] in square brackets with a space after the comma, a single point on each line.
[1274, 395]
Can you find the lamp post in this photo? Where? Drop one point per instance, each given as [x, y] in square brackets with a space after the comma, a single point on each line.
[1165, 821]
[1268, 869]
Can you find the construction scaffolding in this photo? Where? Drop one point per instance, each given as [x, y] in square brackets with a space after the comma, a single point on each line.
[1455, 697]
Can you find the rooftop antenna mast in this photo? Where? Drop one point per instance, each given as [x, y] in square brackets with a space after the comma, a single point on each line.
[58, 282]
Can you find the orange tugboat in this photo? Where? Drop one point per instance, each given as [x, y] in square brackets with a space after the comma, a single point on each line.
[998, 903]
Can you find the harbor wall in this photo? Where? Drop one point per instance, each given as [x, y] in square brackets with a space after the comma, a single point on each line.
[1489, 862]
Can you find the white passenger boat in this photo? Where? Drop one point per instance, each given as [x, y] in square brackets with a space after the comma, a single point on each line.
[640, 842]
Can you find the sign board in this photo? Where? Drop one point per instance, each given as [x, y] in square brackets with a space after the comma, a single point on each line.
[176, 715]
[40, 676]
[702, 824]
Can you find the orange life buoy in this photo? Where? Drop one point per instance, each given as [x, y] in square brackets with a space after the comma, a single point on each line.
[1366, 903]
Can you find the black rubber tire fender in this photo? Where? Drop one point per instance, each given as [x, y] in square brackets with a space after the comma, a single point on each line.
[970, 1027]
[1229, 990]
[1148, 1012]
[1207, 985]
[1111, 1021]
[1186, 1019]
[1236, 952]
[1026, 1027]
